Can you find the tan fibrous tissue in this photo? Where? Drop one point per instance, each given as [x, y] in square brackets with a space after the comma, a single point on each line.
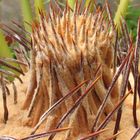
[67, 50]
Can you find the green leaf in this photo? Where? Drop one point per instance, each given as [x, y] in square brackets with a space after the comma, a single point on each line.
[5, 52]
[4, 49]
[71, 3]
[132, 18]
[26, 13]
[87, 2]
[39, 5]
[121, 11]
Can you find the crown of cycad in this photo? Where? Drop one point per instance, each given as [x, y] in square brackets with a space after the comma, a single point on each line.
[67, 49]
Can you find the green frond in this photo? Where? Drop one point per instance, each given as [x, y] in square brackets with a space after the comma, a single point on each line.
[39, 5]
[121, 11]
[26, 13]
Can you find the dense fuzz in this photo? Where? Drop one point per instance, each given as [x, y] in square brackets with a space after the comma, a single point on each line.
[66, 50]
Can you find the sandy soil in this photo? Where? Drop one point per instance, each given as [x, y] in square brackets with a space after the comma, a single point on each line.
[15, 125]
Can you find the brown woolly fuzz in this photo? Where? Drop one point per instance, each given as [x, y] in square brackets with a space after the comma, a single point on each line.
[67, 50]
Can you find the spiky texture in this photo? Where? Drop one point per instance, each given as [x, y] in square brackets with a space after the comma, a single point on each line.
[66, 50]
[73, 76]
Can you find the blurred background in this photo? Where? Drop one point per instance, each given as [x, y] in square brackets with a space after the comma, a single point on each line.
[10, 9]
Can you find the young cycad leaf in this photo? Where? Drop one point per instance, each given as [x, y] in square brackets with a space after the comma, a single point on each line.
[39, 5]
[91, 2]
[26, 13]
[121, 11]
[71, 3]
[131, 19]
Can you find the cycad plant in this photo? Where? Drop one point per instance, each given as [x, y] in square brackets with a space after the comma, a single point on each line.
[71, 59]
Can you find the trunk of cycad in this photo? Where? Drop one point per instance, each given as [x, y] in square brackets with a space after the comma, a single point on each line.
[66, 51]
